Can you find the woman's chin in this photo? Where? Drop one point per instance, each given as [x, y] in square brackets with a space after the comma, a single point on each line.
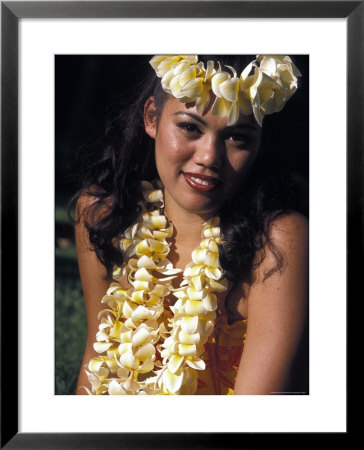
[202, 208]
[185, 199]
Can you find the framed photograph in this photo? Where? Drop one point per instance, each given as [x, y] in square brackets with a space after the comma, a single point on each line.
[54, 51]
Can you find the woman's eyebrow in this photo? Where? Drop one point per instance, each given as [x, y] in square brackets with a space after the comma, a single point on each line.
[229, 129]
[242, 127]
[193, 116]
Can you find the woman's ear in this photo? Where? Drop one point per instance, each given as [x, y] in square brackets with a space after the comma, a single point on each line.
[150, 117]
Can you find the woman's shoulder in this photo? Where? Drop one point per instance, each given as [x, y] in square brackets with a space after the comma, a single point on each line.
[287, 243]
[92, 204]
[287, 246]
[289, 227]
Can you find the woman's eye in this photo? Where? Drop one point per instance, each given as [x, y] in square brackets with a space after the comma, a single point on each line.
[238, 139]
[189, 128]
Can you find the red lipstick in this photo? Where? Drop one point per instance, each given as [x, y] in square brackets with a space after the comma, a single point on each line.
[200, 182]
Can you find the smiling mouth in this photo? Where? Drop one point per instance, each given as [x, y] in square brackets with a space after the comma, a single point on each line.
[201, 183]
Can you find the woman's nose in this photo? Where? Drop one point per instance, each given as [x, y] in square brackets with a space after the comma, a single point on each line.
[209, 152]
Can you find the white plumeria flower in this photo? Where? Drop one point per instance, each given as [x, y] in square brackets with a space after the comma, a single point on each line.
[265, 91]
[164, 63]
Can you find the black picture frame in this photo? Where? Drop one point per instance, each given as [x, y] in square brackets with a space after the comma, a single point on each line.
[11, 13]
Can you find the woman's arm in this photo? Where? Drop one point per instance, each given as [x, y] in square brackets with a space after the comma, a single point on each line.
[94, 286]
[277, 309]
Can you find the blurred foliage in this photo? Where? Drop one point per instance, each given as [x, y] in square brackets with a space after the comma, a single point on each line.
[61, 215]
[70, 317]
[70, 335]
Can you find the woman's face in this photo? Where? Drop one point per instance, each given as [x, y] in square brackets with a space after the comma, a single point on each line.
[201, 161]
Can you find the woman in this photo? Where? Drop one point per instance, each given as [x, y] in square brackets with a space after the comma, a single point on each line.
[187, 175]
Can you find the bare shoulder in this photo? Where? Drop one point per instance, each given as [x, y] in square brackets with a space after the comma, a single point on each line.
[290, 233]
[86, 205]
[276, 309]
[84, 201]
[92, 272]
[288, 246]
[290, 229]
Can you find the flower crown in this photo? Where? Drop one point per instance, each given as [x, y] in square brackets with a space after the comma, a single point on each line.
[262, 88]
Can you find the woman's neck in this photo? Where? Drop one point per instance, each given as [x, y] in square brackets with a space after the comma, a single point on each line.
[187, 227]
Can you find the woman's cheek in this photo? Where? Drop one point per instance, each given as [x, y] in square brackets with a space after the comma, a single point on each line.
[171, 159]
[177, 151]
[180, 152]
[237, 171]
[242, 163]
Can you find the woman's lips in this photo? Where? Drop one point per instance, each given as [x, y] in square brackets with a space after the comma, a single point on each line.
[199, 182]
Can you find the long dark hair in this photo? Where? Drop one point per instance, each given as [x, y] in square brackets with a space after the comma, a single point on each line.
[124, 156]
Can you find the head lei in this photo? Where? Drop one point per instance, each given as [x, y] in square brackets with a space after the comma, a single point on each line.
[144, 345]
[262, 88]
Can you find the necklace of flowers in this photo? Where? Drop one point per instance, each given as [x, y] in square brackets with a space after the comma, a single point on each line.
[136, 327]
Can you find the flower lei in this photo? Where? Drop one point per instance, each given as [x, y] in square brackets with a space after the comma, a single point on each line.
[263, 87]
[136, 323]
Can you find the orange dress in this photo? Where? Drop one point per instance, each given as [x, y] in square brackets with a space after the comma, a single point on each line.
[222, 357]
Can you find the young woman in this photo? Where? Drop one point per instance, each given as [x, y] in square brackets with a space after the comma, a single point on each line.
[189, 233]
